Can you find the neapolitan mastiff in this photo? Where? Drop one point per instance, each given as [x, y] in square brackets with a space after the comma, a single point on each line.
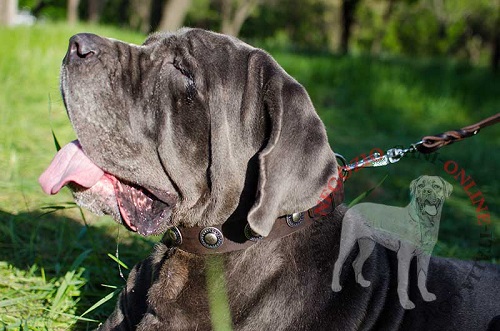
[207, 137]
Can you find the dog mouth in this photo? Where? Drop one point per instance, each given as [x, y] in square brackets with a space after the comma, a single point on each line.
[431, 207]
[139, 209]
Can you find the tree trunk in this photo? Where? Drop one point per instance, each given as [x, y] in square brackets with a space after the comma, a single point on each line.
[95, 7]
[8, 12]
[348, 11]
[495, 51]
[379, 36]
[174, 13]
[38, 8]
[140, 15]
[495, 38]
[233, 18]
[333, 17]
[73, 11]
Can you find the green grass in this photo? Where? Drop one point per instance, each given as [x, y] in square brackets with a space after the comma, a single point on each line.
[53, 266]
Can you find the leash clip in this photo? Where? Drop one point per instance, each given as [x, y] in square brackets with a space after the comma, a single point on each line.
[395, 154]
[392, 155]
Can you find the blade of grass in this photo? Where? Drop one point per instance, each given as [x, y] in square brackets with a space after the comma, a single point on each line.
[53, 208]
[61, 290]
[101, 302]
[69, 281]
[80, 259]
[11, 302]
[56, 142]
[217, 294]
[117, 260]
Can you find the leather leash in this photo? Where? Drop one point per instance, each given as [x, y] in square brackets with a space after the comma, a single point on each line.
[432, 143]
[224, 238]
[427, 145]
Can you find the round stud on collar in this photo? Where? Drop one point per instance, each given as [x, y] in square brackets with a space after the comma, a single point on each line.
[294, 219]
[173, 237]
[211, 237]
[250, 234]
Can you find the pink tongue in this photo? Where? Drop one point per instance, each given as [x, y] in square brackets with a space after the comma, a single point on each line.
[70, 165]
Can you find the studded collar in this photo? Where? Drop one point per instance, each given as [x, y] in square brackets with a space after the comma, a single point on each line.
[229, 236]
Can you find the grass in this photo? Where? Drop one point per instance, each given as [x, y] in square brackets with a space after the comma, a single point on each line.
[53, 266]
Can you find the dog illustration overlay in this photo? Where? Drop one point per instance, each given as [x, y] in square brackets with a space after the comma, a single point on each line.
[410, 231]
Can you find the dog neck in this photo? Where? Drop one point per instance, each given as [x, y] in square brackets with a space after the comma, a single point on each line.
[232, 236]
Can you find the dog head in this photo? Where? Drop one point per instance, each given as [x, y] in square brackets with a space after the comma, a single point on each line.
[429, 193]
[189, 128]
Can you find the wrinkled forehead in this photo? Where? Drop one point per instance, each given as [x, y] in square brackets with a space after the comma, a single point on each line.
[200, 42]
[163, 36]
[431, 181]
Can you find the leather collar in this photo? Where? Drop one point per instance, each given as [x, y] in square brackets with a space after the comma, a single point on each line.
[227, 237]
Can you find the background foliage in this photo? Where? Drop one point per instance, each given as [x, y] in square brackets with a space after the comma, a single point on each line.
[461, 29]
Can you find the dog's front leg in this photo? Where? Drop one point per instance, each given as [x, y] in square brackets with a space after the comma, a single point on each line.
[422, 267]
[132, 302]
[366, 246]
[405, 255]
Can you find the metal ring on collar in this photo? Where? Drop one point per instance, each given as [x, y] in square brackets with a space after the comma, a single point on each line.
[250, 234]
[211, 237]
[173, 236]
[294, 219]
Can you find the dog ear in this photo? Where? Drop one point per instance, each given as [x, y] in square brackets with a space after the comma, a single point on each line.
[296, 162]
[413, 185]
[448, 188]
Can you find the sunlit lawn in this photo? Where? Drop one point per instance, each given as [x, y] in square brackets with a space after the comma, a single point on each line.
[52, 267]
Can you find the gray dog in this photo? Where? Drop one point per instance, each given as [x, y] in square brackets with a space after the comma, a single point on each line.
[409, 231]
[198, 130]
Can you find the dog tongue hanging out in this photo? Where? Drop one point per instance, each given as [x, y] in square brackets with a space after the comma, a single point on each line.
[70, 165]
[127, 204]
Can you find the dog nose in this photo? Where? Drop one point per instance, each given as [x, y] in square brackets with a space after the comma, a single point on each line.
[82, 46]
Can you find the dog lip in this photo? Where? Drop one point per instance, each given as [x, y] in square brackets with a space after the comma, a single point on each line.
[140, 210]
[434, 202]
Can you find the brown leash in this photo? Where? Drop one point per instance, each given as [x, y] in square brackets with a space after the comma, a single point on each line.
[430, 144]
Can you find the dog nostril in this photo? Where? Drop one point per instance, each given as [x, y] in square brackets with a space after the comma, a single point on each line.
[82, 47]
[82, 51]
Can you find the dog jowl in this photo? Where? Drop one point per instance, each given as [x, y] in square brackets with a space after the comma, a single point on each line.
[410, 231]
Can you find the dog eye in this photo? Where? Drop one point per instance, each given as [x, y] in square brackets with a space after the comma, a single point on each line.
[190, 83]
[436, 187]
[421, 185]
[188, 74]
